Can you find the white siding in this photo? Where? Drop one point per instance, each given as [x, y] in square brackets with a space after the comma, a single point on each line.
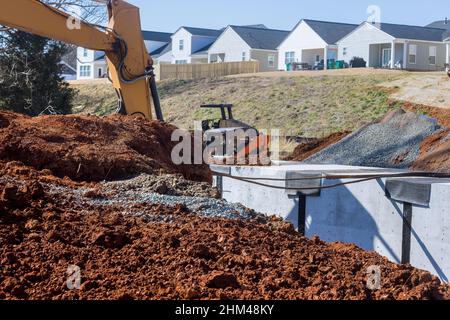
[182, 34]
[358, 43]
[303, 37]
[230, 44]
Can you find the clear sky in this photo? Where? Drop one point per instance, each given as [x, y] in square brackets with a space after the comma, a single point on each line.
[168, 15]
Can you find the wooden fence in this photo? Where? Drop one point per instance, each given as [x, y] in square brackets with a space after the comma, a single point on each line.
[204, 70]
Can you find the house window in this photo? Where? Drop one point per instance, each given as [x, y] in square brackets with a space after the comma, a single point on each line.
[344, 51]
[85, 71]
[244, 56]
[412, 54]
[181, 45]
[271, 60]
[180, 61]
[85, 53]
[289, 57]
[432, 56]
[317, 58]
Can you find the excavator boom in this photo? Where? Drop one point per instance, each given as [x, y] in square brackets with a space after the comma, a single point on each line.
[130, 65]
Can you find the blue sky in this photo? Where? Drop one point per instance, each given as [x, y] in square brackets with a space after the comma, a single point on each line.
[168, 15]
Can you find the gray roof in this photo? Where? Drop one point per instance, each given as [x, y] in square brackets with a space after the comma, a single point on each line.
[261, 26]
[442, 24]
[203, 50]
[157, 36]
[330, 32]
[203, 32]
[259, 38]
[163, 50]
[400, 31]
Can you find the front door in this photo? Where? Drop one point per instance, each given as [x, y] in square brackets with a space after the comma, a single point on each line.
[386, 59]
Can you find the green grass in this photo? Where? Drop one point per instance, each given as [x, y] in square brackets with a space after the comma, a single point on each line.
[306, 106]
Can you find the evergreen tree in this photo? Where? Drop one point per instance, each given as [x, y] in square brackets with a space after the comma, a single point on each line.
[30, 75]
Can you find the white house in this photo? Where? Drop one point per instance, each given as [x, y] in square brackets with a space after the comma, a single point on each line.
[246, 43]
[92, 64]
[311, 42]
[386, 45]
[444, 24]
[190, 45]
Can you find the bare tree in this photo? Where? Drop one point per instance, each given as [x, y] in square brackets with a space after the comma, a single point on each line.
[93, 11]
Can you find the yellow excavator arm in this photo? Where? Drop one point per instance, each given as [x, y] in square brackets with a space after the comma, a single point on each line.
[130, 65]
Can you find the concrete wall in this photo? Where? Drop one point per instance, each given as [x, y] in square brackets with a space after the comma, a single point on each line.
[263, 57]
[358, 213]
[231, 45]
[301, 38]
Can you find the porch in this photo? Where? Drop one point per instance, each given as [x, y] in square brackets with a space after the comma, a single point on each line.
[388, 55]
[316, 57]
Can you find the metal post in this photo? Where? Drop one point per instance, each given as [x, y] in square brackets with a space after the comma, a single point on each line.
[407, 231]
[302, 215]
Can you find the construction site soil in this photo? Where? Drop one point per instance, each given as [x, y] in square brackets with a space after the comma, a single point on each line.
[89, 148]
[306, 149]
[50, 223]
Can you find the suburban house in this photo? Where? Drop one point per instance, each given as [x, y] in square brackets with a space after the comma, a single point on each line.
[69, 64]
[247, 43]
[190, 45]
[444, 24]
[163, 54]
[312, 42]
[92, 64]
[386, 45]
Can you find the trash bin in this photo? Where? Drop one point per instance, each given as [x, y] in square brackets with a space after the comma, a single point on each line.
[289, 66]
[331, 64]
[340, 64]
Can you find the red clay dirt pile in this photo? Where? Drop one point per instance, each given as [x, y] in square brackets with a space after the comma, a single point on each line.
[304, 150]
[172, 253]
[89, 148]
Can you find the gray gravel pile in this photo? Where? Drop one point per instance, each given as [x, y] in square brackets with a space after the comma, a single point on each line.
[166, 184]
[392, 143]
[134, 201]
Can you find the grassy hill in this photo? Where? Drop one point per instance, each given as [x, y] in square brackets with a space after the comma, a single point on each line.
[312, 106]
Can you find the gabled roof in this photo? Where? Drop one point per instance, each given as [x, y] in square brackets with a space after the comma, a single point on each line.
[260, 38]
[330, 32]
[203, 50]
[442, 24]
[400, 31]
[202, 32]
[161, 51]
[156, 36]
[261, 26]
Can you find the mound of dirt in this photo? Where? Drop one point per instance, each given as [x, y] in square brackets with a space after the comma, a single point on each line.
[435, 153]
[46, 234]
[305, 150]
[88, 148]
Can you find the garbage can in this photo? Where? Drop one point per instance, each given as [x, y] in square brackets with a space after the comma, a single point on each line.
[340, 64]
[289, 66]
[331, 64]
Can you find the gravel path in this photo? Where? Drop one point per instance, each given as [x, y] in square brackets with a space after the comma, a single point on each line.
[391, 143]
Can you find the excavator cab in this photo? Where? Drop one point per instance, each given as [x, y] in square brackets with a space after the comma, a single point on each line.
[241, 143]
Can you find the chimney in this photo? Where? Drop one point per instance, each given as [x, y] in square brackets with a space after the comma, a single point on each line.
[446, 20]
